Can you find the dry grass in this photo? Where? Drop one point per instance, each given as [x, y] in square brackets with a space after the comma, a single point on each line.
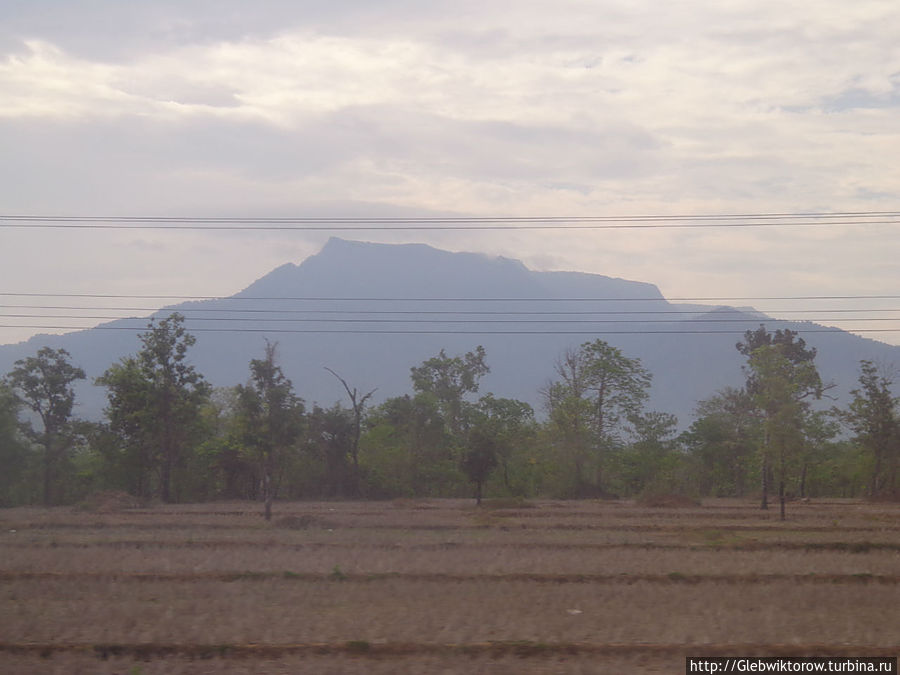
[440, 577]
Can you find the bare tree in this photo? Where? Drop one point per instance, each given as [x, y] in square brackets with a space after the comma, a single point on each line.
[359, 403]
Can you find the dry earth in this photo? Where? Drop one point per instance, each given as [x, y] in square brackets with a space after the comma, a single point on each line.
[440, 586]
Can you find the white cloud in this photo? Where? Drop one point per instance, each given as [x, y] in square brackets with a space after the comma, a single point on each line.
[482, 108]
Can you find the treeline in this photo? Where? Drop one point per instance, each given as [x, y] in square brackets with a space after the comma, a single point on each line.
[169, 435]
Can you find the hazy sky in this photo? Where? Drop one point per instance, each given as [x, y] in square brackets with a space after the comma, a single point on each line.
[518, 108]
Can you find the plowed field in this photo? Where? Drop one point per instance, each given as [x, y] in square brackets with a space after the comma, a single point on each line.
[440, 586]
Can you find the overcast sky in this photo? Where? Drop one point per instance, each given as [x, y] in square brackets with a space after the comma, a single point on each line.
[501, 108]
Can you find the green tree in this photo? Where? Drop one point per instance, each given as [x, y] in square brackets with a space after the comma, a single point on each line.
[511, 423]
[330, 438]
[723, 441]
[13, 449]
[598, 390]
[780, 378]
[480, 458]
[271, 416]
[408, 450]
[872, 416]
[233, 467]
[132, 418]
[44, 384]
[155, 400]
[449, 379]
[781, 385]
[651, 460]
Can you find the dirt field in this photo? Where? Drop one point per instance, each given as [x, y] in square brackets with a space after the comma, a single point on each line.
[440, 586]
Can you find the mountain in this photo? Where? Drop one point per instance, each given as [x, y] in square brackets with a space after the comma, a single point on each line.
[372, 311]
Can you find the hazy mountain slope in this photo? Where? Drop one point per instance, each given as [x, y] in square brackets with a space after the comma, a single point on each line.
[687, 364]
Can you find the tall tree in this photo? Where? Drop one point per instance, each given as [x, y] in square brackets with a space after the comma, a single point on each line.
[598, 390]
[272, 417]
[449, 379]
[132, 418]
[13, 451]
[155, 398]
[44, 383]
[872, 415]
[781, 378]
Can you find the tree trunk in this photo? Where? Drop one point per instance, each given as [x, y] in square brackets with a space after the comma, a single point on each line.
[267, 486]
[781, 471]
[765, 484]
[876, 474]
[48, 470]
[803, 481]
[781, 496]
[165, 479]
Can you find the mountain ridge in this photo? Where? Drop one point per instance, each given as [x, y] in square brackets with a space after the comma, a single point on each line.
[370, 311]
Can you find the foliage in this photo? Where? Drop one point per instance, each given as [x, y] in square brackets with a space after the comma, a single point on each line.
[270, 417]
[481, 457]
[873, 417]
[449, 379]
[598, 391]
[155, 401]
[168, 434]
[44, 384]
[14, 451]
[723, 441]
[780, 379]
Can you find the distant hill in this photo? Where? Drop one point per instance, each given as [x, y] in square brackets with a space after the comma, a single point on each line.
[381, 299]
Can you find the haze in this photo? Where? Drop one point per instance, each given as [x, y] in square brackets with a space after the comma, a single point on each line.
[196, 109]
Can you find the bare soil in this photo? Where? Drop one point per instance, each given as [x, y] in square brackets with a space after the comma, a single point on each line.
[440, 586]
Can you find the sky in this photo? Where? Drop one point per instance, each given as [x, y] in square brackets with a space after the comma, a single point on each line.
[395, 108]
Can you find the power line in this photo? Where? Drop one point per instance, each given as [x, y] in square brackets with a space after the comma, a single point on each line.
[460, 332]
[846, 218]
[440, 312]
[436, 321]
[116, 296]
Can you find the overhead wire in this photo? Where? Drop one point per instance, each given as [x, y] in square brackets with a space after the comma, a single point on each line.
[120, 296]
[820, 329]
[343, 223]
[313, 223]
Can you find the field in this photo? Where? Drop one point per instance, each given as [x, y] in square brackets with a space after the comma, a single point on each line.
[442, 586]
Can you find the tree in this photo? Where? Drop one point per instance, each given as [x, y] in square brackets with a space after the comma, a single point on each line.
[599, 389]
[272, 417]
[511, 422]
[43, 383]
[723, 440]
[330, 436]
[480, 458]
[359, 405]
[872, 416]
[449, 379]
[650, 460]
[13, 451]
[409, 451]
[132, 418]
[155, 399]
[781, 376]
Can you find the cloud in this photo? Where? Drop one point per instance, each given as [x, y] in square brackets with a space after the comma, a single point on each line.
[505, 108]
